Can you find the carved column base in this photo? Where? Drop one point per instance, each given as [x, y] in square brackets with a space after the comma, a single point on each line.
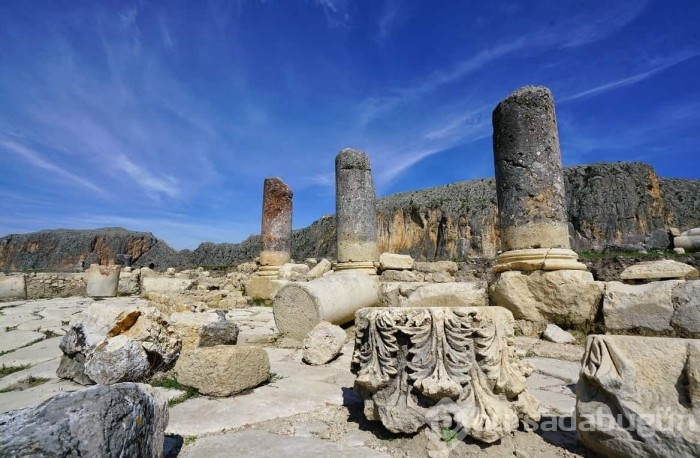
[366, 267]
[538, 259]
[441, 367]
[268, 271]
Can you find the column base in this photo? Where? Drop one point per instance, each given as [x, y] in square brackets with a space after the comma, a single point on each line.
[357, 266]
[538, 259]
[267, 271]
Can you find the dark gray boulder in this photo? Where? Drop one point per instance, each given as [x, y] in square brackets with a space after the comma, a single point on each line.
[123, 420]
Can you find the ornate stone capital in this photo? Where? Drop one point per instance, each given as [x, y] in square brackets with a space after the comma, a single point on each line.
[452, 367]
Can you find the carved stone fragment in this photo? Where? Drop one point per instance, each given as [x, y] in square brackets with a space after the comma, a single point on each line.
[453, 366]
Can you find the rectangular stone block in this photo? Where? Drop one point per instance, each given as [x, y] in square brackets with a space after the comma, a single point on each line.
[13, 287]
[647, 306]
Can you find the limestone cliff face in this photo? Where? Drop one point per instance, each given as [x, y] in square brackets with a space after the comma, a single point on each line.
[66, 250]
[606, 204]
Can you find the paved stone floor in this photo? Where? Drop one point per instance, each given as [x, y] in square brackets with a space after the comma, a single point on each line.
[304, 411]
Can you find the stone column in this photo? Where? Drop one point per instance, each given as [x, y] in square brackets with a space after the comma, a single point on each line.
[102, 281]
[276, 235]
[355, 212]
[276, 232]
[530, 184]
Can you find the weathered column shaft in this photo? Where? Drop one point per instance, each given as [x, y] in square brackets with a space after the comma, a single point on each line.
[276, 230]
[529, 175]
[356, 217]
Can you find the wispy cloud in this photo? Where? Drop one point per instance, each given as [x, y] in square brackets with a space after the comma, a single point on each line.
[336, 12]
[392, 15]
[36, 160]
[633, 79]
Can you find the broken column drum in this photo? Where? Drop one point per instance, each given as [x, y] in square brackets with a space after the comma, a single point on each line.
[102, 281]
[530, 184]
[356, 217]
[276, 230]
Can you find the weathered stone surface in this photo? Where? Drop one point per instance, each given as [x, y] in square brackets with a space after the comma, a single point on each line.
[121, 420]
[72, 367]
[648, 306]
[129, 282]
[323, 343]
[557, 296]
[529, 175]
[189, 326]
[298, 307]
[395, 261]
[639, 396]
[102, 281]
[158, 284]
[538, 259]
[690, 243]
[401, 275]
[16, 339]
[223, 370]
[264, 287]
[355, 212]
[436, 266]
[218, 333]
[462, 294]
[658, 239]
[460, 362]
[42, 285]
[276, 227]
[659, 270]
[555, 334]
[117, 359]
[13, 287]
[117, 342]
[323, 266]
[293, 272]
[686, 308]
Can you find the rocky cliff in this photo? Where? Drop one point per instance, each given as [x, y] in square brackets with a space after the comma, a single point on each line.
[608, 204]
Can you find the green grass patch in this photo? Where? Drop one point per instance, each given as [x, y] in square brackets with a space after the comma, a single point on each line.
[172, 384]
[189, 440]
[274, 377]
[29, 382]
[260, 302]
[447, 435]
[7, 370]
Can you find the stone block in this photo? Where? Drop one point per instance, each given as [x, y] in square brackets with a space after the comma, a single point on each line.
[648, 306]
[223, 370]
[659, 270]
[320, 268]
[395, 261]
[129, 282]
[690, 243]
[555, 334]
[323, 343]
[115, 421]
[437, 266]
[450, 366]
[188, 326]
[639, 396]
[13, 287]
[118, 359]
[570, 296]
[658, 239]
[463, 294]
[102, 281]
[686, 308]
[159, 284]
[293, 272]
[261, 287]
[400, 275]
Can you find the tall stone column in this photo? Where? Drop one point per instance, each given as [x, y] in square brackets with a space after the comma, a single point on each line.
[355, 212]
[530, 184]
[276, 235]
[276, 230]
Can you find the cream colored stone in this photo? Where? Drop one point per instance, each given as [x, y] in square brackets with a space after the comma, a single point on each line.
[555, 296]
[274, 258]
[659, 270]
[321, 267]
[293, 272]
[544, 234]
[223, 370]
[323, 343]
[187, 326]
[538, 259]
[102, 281]
[395, 261]
[298, 307]
[159, 284]
[436, 266]
[462, 294]
[647, 306]
[639, 396]
[13, 287]
[263, 287]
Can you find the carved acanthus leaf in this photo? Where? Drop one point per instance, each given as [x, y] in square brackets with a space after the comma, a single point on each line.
[376, 358]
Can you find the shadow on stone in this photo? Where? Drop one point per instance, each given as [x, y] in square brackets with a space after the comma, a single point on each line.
[172, 445]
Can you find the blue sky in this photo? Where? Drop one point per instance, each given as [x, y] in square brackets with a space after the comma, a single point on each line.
[167, 116]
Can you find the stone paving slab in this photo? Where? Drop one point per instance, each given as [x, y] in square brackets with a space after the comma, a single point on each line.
[565, 370]
[34, 354]
[12, 340]
[20, 399]
[255, 443]
[47, 369]
[11, 320]
[555, 404]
